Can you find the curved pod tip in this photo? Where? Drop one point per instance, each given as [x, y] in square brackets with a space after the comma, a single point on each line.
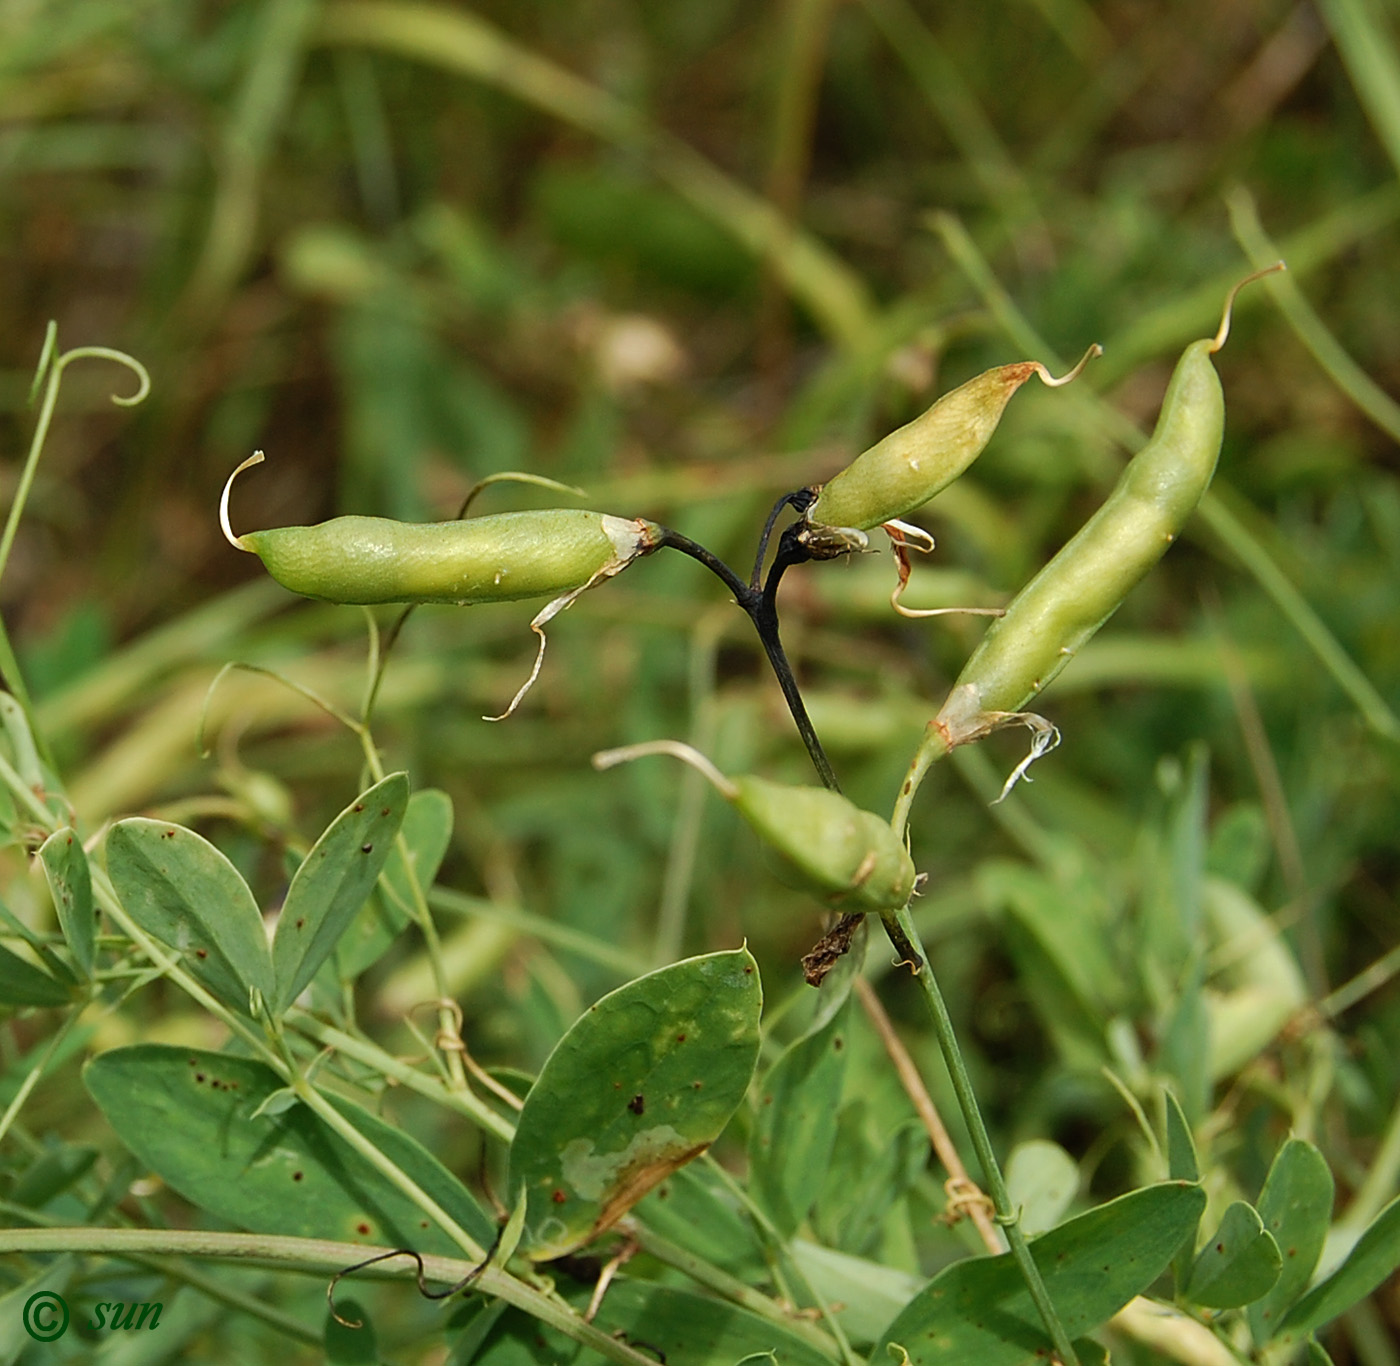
[1223, 331]
[236, 542]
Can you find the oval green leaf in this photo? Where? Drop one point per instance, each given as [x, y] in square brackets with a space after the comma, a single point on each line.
[1239, 1263]
[1375, 1256]
[979, 1310]
[180, 889]
[644, 1081]
[427, 831]
[793, 1132]
[333, 882]
[189, 1115]
[70, 885]
[1296, 1207]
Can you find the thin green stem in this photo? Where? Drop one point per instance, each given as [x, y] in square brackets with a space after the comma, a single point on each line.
[730, 1288]
[900, 922]
[390, 1170]
[320, 1257]
[32, 1078]
[778, 1244]
[465, 1103]
[238, 1300]
[432, 942]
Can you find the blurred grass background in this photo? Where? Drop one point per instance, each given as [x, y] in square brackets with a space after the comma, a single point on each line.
[690, 256]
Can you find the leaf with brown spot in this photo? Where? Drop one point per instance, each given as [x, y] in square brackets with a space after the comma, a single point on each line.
[70, 885]
[657, 1036]
[201, 1121]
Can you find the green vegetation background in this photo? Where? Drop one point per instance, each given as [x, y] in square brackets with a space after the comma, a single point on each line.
[690, 256]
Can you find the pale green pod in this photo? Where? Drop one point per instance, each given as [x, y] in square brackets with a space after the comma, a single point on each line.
[923, 457]
[822, 842]
[1050, 620]
[826, 845]
[500, 558]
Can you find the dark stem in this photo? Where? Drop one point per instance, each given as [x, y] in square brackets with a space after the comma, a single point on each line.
[764, 614]
[801, 499]
[742, 592]
[762, 609]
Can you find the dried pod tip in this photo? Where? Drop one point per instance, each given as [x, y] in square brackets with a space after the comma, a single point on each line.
[256, 458]
[610, 758]
[1224, 329]
[1047, 378]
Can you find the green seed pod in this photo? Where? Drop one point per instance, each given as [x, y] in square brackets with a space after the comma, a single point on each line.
[826, 845]
[922, 458]
[1050, 620]
[560, 552]
[501, 558]
[822, 842]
